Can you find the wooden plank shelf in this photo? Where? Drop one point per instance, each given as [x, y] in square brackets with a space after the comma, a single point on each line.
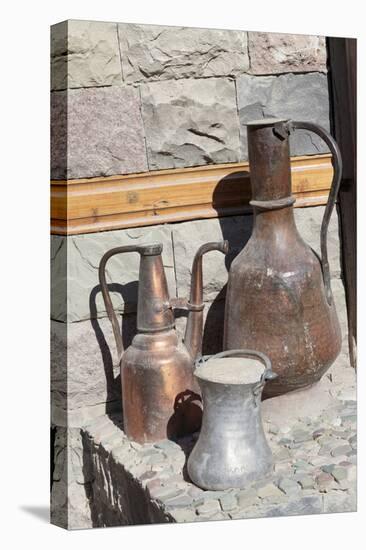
[166, 196]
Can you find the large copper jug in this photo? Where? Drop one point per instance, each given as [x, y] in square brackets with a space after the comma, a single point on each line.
[279, 299]
[160, 398]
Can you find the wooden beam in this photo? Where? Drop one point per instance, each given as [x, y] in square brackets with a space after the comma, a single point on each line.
[116, 202]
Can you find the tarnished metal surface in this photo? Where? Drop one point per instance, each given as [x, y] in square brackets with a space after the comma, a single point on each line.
[231, 450]
[279, 299]
[160, 398]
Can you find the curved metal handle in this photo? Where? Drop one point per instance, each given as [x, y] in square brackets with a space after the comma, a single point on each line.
[267, 374]
[337, 167]
[149, 249]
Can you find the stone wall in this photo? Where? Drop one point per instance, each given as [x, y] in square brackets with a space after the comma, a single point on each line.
[132, 98]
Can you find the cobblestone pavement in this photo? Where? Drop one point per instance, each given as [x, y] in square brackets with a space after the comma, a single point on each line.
[314, 470]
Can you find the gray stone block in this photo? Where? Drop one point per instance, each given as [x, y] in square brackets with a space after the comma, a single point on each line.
[151, 52]
[59, 135]
[190, 122]
[84, 54]
[310, 504]
[84, 252]
[308, 221]
[58, 257]
[301, 97]
[96, 132]
[340, 501]
[84, 382]
[72, 478]
[188, 236]
[272, 53]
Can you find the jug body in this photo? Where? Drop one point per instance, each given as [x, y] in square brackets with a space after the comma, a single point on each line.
[160, 397]
[277, 300]
[231, 451]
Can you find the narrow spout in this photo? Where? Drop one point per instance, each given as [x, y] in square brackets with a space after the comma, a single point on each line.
[194, 329]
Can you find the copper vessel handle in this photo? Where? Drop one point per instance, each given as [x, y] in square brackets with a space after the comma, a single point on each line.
[337, 175]
[105, 292]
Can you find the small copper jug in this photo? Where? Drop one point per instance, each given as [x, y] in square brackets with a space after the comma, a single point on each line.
[160, 398]
[279, 298]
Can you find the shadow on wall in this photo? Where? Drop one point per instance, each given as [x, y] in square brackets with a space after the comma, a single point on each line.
[128, 330]
[236, 229]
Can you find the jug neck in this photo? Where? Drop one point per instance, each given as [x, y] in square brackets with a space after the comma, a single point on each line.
[154, 312]
[269, 159]
[274, 224]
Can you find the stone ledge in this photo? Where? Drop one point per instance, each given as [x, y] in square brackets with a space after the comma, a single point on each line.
[315, 472]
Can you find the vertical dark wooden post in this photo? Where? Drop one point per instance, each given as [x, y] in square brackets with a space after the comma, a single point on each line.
[342, 55]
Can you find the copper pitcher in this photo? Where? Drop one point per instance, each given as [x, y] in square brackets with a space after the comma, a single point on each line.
[160, 397]
[279, 298]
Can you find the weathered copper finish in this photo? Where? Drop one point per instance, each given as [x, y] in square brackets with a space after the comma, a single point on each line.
[231, 450]
[159, 395]
[279, 299]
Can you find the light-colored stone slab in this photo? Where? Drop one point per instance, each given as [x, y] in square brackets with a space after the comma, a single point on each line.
[84, 54]
[272, 53]
[84, 252]
[301, 97]
[190, 122]
[189, 236]
[85, 381]
[151, 52]
[103, 134]
[308, 221]
[58, 257]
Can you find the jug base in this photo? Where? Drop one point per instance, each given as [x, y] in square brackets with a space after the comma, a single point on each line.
[224, 484]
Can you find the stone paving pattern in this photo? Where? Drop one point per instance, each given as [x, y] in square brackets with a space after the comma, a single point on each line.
[314, 469]
[135, 98]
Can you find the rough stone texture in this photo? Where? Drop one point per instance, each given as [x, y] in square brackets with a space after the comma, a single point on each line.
[298, 97]
[188, 236]
[308, 221]
[84, 54]
[272, 53]
[127, 489]
[59, 352]
[59, 266]
[111, 504]
[151, 52]
[190, 122]
[101, 129]
[72, 479]
[59, 134]
[84, 252]
[85, 381]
